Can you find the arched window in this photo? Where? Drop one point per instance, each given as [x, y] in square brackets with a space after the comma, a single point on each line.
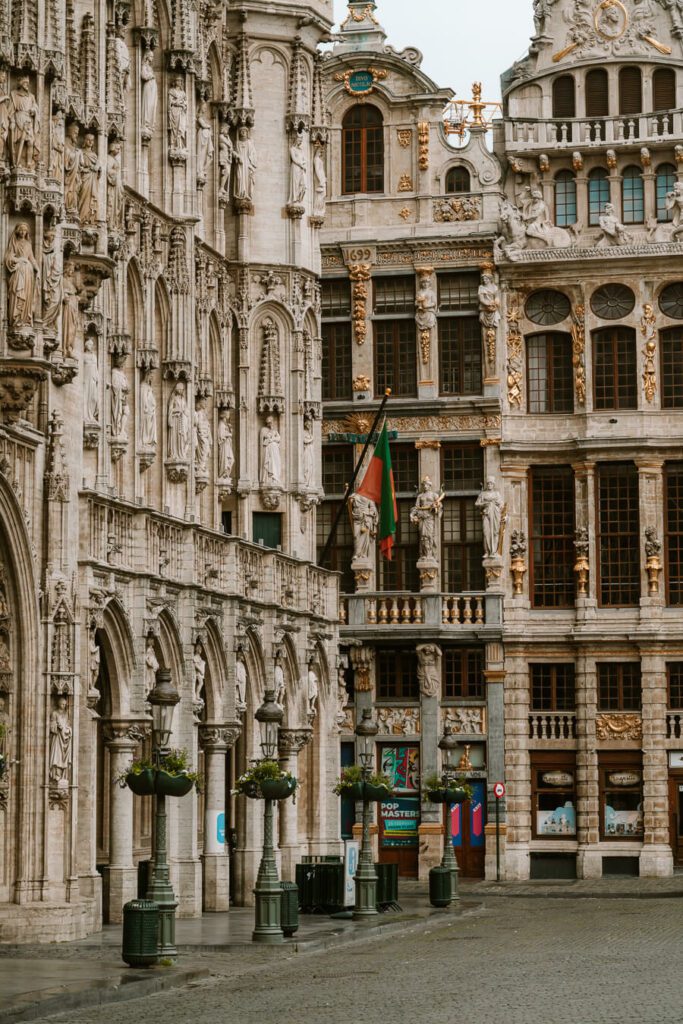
[363, 150]
[458, 180]
[633, 197]
[597, 95]
[615, 368]
[565, 198]
[564, 103]
[598, 194]
[664, 89]
[630, 90]
[549, 369]
[666, 179]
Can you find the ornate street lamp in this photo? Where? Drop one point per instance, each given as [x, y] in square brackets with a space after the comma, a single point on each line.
[366, 876]
[267, 891]
[163, 698]
[447, 745]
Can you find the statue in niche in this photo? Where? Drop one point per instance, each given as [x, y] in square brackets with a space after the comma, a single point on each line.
[178, 425]
[52, 282]
[612, 231]
[5, 115]
[177, 116]
[151, 664]
[204, 140]
[226, 456]
[119, 403]
[199, 664]
[491, 506]
[4, 725]
[429, 669]
[425, 312]
[240, 686]
[122, 58]
[56, 165]
[226, 155]
[5, 656]
[71, 312]
[320, 182]
[148, 413]
[489, 306]
[148, 111]
[24, 128]
[298, 171]
[21, 287]
[245, 172]
[91, 382]
[61, 739]
[674, 202]
[94, 655]
[279, 681]
[271, 459]
[115, 204]
[313, 691]
[364, 520]
[426, 514]
[202, 437]
[72, 168]
[88, 193]
[308, 455]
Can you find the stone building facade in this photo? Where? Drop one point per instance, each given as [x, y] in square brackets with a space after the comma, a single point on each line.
[160, 367]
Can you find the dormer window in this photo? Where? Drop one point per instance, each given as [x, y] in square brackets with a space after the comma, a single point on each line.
[597, 93]
[564, 102]
[664, 89]
[458, 180]
[363, 150]
[630, 90]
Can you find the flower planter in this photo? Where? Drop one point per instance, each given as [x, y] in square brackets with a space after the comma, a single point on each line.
[141, 783]
[277, 789]
[172, 785]
[447, 796]
[366, 792]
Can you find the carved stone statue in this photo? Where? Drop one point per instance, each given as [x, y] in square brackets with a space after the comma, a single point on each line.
[612, 231]
[542, 9]
[24, 128]
[240, 686]
[148, 111]
[91, 171]
[119, 403]
[271, 458]
[489, 308]
[491, 507]
[148, 413]
[429, 669]
[674, 202]
[298, 171]
[313, 693]
[178, 425]
[115, 203]
[226, 457]
[226, 155]
[204, 141]
[71, 312]
[94, 655]
[122, 58]
[177, 116]
[202, 438]
[91, 383]
[56, 162]
[245, 171]
[425, 514]
[52, 282]
[151, 664]
[536, 216]
[425, 304]
[199, 664]
[364, 520]
[61, 739]
[21, 286]
[5, 115]
[72, 168]
[320, 182]
[279, 680]
[308, 455]
[5, 655]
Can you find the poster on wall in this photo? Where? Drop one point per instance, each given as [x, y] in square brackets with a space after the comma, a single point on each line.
[400, 818]
[402, 765]
[476, 820]
[558, 821]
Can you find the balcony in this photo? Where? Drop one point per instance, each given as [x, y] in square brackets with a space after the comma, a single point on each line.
[552, 725]
[674, 725]
[403, 610]
[532, 135]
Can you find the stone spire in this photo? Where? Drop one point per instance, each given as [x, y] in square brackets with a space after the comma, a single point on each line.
[361, 30]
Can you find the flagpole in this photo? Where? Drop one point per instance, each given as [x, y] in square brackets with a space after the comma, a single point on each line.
[354, 477]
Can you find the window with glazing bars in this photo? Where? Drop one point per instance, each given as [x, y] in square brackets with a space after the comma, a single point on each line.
[336, 362]
[615, 368]
[462, 546]
[618, 534]
[462, 467]
[463, 674]
[458, 292]
[619, 686]
[363, 150]
[674, 679]
[633, 196]
[401, 573]
[460, 355]
[673, 482]
[671, 355]
[550, 374]
[335, 298]
[395, 358]
[666, 178]
[553, 687]
[394, 295]
[341, 552]
[338, 464]
[565, 199]
[397, 675]
[598, 194]
[552, 536]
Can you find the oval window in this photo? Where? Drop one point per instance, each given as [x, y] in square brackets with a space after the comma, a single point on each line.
[546, 307]
[612, 301]
[671, 301]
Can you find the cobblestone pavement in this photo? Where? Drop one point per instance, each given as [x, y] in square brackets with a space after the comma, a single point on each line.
[514, 961]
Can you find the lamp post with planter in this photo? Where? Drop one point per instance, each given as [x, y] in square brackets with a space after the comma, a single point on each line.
[366, 876]
[267, 891]
[447, 745]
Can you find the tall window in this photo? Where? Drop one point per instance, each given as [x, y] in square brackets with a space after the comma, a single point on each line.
[363, 150]
[463, 674]
[674, 679]
[673, 479]
[615, 370]
[632, 196]
[395, 347]
[401, 573]
[598, 193]
[630, 90]
[552, 536]
[459, 335]
[553, 687]
[618, 534]
[397, 675]
[671, 349]
[458, 180]
[664, 89]
[565, 198]
[337, 466]
[337, 342]
[619, 686]
[666, 177]
[564, 103]
[462, 470]
[597, 93]
[549, 367]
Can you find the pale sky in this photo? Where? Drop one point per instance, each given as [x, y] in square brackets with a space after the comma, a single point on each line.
[462, 40]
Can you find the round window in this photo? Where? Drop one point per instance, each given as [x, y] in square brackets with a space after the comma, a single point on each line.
[547, 307]
[612, 301]
[671, 301]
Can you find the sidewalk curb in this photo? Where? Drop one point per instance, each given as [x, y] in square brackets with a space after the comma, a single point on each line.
[590, 894]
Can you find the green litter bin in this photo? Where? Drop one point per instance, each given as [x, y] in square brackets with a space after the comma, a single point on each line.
[289, 908]
[140, 933]
[440, 887]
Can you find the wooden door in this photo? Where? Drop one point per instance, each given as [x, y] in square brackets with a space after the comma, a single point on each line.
[676, 816]
[467, 827]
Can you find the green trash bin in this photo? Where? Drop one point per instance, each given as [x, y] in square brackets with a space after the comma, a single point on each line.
[140, 933]
[440, 887]
[289, 908]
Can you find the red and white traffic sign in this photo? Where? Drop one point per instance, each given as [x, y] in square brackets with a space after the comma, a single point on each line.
[499, 790]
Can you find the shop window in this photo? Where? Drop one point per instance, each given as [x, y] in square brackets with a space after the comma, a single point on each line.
[664, 89]
[397, 675]
[336, 362]
[462, 546]
[267, 529]
[619, 686]
[621, 795]
[673, 484]
[463, 674]
[564, 102]
[671, 355]
[633, 196]
[597, 93]
[598, 194]
[665, 180]
[674, 679]
[550, 374]
[460, 356]
[363, 150]
[630, 90]
[565, 198]
[547, 307]
[618, 534]
[552, 536]
[615, 373]
[553, 687]
[462, 467]
[458, 293]
[553, 794]
[458, 180]
[395, 358]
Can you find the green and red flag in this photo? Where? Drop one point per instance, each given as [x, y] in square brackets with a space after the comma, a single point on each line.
[378, 486]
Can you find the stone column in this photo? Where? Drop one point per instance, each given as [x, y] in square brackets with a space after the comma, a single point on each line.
[216, 741]
[586, 553]
[431, 828]
[290, 742]
[589, 862]
[120, 880]
[656, 858]
[517, 768]
[649, 196]
[651, 495]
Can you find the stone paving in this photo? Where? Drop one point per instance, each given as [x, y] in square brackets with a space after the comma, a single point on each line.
[518, 961]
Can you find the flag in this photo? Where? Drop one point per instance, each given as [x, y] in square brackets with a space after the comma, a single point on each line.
[378, 485]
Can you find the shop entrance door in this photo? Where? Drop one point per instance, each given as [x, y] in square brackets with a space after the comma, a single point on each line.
[467, 825]
[676, 816]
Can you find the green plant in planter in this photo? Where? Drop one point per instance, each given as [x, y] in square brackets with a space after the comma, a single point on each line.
[455, 791]
[266, 780]
[353, 783]
[171, 776]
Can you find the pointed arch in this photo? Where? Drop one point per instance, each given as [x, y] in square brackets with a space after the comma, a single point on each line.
[118, 647]
[216, 671]
[135, 303]
[162, 312]
[172, 651]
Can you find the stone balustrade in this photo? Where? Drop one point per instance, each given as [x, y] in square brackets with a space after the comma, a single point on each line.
[674, 725]
[553, 725]
[404, 610]
[529, 134]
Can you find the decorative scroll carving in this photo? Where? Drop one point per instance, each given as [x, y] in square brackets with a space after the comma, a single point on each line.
[648, 328]
[362, 661]
[423, 144]
[456, 209]
[578, 333]
[515, 358]
[619, 726]
[360, 275]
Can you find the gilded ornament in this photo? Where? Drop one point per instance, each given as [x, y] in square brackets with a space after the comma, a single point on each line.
[431, 445]
[578, 333]
[405, 136]
[648, 328]
[653, 564]
[367, 14]
[361, 382]
[423, 143]
[619, 727]
[405, 183]
[405, 213]
[582, 565]
[515, 364]
[360, 275]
